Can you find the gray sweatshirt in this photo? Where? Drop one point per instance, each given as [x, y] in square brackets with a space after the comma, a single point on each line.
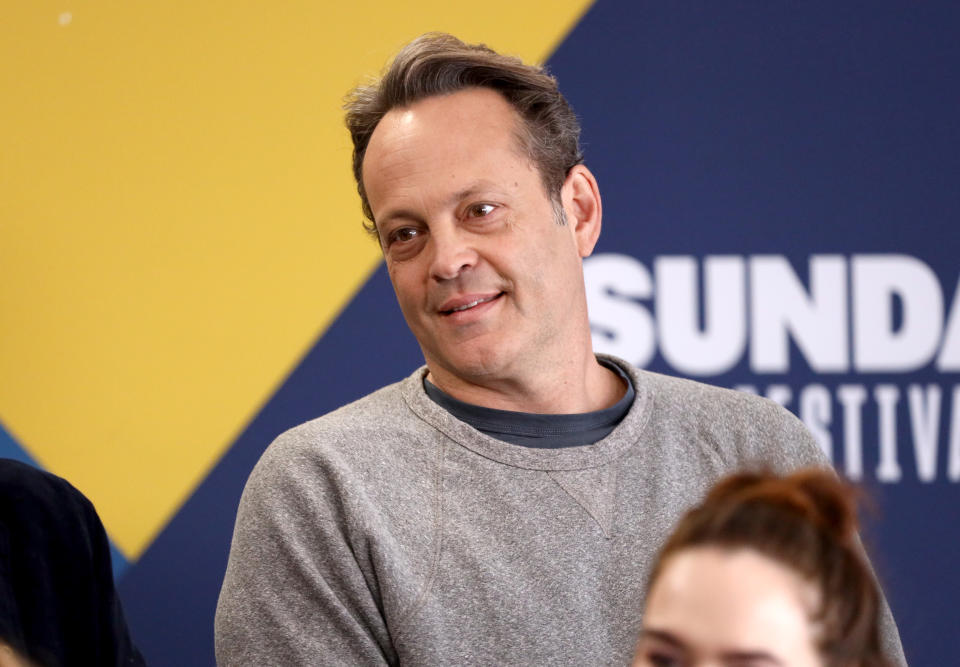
[389, 532]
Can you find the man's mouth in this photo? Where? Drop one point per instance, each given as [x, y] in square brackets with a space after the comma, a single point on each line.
[471, 304]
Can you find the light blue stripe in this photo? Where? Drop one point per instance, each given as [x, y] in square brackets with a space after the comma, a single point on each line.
[118, 561]
[10, 449]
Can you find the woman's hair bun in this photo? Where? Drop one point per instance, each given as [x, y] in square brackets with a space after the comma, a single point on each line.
[814, 495]
[806, 521]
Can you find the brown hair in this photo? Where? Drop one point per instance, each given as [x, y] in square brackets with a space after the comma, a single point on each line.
[440, 64]
[806, 521]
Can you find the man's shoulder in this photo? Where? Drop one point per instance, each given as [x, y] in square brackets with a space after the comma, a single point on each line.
[703, 400]
[380, 410]
[697, 399]
[736, 425]
[376, 430]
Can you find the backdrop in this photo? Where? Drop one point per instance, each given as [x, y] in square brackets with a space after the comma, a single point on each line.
[184, 275]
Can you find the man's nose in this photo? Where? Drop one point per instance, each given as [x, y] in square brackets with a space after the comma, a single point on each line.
[453, 253]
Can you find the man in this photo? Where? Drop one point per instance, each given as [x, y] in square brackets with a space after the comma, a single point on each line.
[502, 504]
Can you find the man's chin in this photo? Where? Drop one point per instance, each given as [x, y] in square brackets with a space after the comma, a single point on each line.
[469, 365]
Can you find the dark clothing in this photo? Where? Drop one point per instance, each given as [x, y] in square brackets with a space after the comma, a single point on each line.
[547, 431]
[58, 604]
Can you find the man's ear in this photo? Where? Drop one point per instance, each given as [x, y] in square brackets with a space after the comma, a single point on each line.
[581, 202]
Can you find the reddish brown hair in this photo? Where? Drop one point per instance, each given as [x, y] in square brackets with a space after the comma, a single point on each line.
[808, 522]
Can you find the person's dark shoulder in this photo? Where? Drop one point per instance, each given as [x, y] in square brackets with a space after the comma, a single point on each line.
[17, 478]
[60, 602]
[29, 494]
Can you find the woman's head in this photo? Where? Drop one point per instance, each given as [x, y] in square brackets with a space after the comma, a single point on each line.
[766, 571]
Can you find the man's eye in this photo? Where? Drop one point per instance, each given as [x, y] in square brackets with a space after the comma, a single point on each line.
[480, 210]
[403, 234]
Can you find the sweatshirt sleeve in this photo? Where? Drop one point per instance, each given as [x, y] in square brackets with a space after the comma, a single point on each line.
[295, 590]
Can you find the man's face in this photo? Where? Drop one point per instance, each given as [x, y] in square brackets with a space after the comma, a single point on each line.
[489, 283]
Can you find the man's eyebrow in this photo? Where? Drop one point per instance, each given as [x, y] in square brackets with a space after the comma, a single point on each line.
[471, 191]
[403, 213]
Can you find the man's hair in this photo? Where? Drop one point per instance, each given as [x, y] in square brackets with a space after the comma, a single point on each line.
[440, 64]
[807, 522]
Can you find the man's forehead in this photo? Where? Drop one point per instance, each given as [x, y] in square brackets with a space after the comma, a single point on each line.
[474, 109]
[466, 120]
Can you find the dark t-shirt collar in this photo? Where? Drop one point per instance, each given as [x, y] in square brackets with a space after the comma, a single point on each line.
[538, 430]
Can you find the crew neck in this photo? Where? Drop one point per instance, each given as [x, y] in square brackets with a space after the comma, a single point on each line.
[530, 429]
[622, 438]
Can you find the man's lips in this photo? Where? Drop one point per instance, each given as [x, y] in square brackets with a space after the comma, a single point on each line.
[462, 303]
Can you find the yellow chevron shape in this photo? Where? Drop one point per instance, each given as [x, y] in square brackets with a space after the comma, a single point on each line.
[178, 222]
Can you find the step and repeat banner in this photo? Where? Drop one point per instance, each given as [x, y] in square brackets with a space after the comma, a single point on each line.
[184, 274]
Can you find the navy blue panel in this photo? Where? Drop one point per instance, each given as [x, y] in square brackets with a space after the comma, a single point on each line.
[170, 594]
[793, 129]
[746, 127]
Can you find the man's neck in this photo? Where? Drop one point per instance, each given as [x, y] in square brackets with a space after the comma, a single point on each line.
[568, 389]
